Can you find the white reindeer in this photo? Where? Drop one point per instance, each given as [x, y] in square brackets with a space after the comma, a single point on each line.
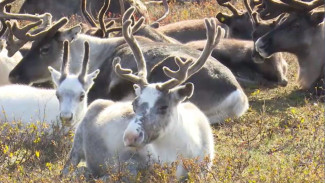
[68, 102]
[157, 119]
[161, 115]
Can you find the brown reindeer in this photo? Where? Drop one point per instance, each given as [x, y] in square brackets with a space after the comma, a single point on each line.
[240, 55]
[301, 33]
[239, 22]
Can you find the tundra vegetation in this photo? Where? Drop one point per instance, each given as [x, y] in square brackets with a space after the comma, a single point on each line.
[280, 138]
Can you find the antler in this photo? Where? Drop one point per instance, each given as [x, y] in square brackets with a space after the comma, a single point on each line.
[3, 28]
[84, 68]
[65, 60]
[46, 17]
[231, 7]
[102, 27]
[303, 6]
[141, 77]
[188, 68]
[3, 22]
[272, 8]
[165, 3]
[24, 36]
[256, 21]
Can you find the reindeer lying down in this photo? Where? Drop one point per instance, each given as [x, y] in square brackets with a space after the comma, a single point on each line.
[220, 96]
[237, 55]
[159, 116]
[68, 102]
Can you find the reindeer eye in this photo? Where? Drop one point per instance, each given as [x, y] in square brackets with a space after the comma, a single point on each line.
[82, 96]
[44, 50]
[163, 109]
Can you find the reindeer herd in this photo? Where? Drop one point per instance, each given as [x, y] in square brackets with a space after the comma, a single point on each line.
[148, 85]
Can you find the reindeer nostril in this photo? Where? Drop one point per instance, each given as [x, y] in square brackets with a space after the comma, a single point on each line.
[13, 78]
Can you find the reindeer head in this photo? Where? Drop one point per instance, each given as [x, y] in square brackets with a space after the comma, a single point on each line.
[156, 104]
[47, 43]
[72, 89]
[45, 51]
[260, 27]
[294, 33]
[239, 22]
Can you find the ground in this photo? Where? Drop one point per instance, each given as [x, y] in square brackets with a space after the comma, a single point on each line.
[279, 139]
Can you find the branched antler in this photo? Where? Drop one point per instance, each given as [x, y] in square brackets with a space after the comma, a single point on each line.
[102, 28]
[272, 8]
[23, 34]
[13, 45]
[46, 17]
[186, 68]
[141, 77]
[231, 7]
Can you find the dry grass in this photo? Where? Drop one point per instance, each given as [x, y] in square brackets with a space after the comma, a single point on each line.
[280, 138]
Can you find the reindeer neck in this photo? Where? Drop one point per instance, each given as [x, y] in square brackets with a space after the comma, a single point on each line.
[312, 60]
[316, 48]
[177, 137]
[100, 50]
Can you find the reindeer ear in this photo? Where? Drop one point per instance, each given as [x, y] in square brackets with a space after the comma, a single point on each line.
[223, 18]
[56, 75]
[69, 34]
[184, 92]
[137, 89]
[316, 17]
[89, 80]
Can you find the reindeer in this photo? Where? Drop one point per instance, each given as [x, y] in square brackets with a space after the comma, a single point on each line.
[186, 30]
[160, 114]
[229, 100]
[306, 23]
[270, 72]
[246, 64]
[68, 102]
[113, 122]
[239, 23]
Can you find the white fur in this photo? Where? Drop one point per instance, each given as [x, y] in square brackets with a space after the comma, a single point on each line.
[70, 104]
[29, 104]
[96, 56]
[149, 95]
[237, 102]
[103, 127]
[185, 137]
[188, 133]
[7, 64]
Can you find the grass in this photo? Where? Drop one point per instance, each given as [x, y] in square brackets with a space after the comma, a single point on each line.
[280, 138]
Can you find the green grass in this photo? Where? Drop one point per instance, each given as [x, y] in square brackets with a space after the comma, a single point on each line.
[280, 138]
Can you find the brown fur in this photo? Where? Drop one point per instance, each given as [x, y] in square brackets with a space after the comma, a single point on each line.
[236, 55]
